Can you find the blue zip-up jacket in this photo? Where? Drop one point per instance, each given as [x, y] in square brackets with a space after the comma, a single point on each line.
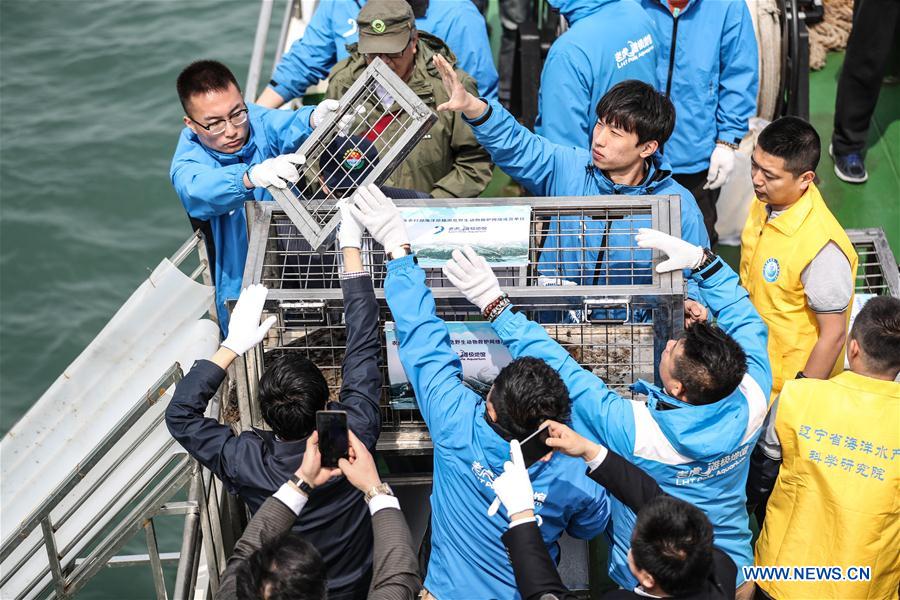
[608, 41]
[697, 453]
[211, 188]
[711, 76]
[548, 169]
[468, 559]
[333, 27]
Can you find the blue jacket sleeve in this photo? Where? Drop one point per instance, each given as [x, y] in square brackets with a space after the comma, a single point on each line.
[309, 59]
[287, 129]
[730, 303]
[564, 100]
[593, 517]
[597, 411]
[361, 377]
[207, 440]
[468, 39]
[530, 159]
[739, 76]
[206, 190]
[433, 368]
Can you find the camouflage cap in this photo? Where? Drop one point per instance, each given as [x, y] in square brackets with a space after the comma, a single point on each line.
[385, 26]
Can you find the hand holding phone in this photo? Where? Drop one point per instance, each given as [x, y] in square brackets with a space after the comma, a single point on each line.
[334, 440]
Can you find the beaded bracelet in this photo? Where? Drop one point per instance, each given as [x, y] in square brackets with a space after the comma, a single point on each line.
[495, 312]
[731, 145]
[490, 307]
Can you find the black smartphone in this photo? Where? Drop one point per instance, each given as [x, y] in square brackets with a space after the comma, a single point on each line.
[334, 441]
[535, 447]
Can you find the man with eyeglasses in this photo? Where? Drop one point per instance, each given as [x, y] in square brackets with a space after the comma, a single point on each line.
[448, 162]
[227, 154]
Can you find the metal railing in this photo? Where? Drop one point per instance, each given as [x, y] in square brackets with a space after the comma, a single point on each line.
[877, 272]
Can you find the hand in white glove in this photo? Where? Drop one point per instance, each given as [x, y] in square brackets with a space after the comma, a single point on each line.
[513, 488]
[323, 112]
[279, 172]
[345, 125]
[377, 213]
[350, 232]
[244, 329]
[682, 254]
[472, 276]
[721, 164]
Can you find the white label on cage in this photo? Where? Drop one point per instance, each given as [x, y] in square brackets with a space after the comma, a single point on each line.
[498, 233]
[480, 350]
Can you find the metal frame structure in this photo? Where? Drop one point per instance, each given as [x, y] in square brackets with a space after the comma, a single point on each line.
[877, 272]
[312, 305]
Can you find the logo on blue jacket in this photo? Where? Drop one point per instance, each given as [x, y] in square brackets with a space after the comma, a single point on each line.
[771, 270]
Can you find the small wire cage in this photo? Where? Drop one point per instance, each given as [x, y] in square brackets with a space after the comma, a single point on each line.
[592, 288]
[377, 124]
[877, 272]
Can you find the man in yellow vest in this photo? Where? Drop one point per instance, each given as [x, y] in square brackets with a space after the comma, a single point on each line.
[797, 262]
[836, 501]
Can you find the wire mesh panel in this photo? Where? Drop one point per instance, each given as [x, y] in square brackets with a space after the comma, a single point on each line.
[877, 272]
[585, 281]
[377, 124]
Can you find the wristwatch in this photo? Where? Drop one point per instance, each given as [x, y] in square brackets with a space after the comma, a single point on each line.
[378, 490]
[302, 486]
[708, 257]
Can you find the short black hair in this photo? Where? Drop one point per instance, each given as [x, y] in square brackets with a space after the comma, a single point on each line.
[201, 77]
[673, 541]
[877, 331]
[526, 393]
[287, 567]
[711, 364]
[638, 108]
[793, 140]
[291, 390]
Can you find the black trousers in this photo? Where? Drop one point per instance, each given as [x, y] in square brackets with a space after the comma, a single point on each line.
[874, 34]
[706, 199]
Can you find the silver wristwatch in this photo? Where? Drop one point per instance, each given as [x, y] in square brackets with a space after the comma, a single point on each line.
[378, 490]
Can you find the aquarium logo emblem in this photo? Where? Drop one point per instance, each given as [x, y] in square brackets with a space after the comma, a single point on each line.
[771, 270]
[438, 229]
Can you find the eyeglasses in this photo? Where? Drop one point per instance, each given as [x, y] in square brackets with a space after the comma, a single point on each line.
[219, 127]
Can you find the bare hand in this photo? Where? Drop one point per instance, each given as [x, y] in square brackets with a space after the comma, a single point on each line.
[360, 469]
[311, 470]
[564, 439]
[694, 312]
[460, 99]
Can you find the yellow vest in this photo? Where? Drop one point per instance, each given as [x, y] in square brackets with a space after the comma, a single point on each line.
[837, 497]
[773, 255]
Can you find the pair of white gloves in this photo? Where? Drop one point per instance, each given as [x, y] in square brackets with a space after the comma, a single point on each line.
[282, 171]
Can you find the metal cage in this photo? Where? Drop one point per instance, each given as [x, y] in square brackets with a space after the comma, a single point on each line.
[378, 123]
[877, 272]
[616, 324]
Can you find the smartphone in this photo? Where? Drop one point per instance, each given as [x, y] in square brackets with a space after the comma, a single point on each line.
[535, 447]
[334, 441]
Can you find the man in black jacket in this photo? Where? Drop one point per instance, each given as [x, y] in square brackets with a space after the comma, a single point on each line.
[256, 463]
[672, 552]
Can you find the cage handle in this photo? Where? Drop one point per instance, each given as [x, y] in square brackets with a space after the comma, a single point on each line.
[313, 310]
[591, 304]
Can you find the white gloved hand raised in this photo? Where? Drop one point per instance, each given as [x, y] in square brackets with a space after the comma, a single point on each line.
[513, 488]
[279, 172]
[721, 164]
[244, 329]
[350, 231]
[322, 112]
[682, 254]
[377, 213]
[473, 277]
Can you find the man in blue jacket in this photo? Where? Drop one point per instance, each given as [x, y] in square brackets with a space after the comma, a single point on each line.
[608, 41]
[333, 27]
[633, 121]
[228, 153]
[471, 435]
[709, 70]
[694, 435]
[257, 462]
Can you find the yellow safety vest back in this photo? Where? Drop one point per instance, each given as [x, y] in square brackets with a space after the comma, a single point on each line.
[836, 501]
[773, 255]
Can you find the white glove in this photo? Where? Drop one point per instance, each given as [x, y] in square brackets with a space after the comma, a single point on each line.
[278, 172]
[682, 254]
[350, 232]
[377, 213]
[244, 329]
[323, 112]
[472, 276]
[721, 164]
[513, 488]
[345, 125]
